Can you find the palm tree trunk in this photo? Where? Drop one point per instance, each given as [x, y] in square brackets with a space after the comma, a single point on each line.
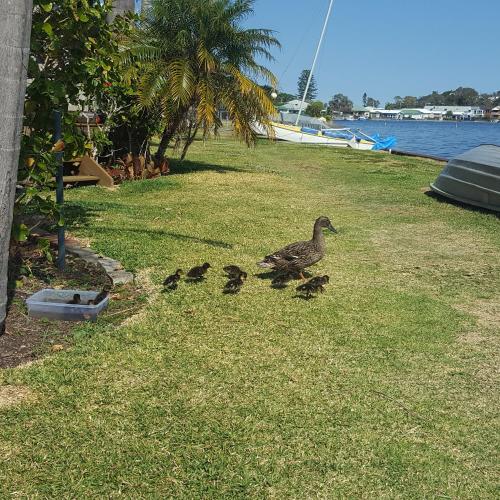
[193, 130]
[167, 135]
[15, 32]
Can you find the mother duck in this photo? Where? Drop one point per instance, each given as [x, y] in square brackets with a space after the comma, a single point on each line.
[297, 256]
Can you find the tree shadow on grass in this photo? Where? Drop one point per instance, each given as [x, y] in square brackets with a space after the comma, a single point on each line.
[470, 208]
[168, 234]
[179, 167]
[80, 214]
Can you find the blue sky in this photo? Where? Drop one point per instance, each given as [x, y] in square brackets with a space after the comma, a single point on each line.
[386, 47]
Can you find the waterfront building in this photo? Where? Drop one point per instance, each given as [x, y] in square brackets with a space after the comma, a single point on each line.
[495, 113]
[293, 106]
[362, 111]
[384, 114]
[458, 112]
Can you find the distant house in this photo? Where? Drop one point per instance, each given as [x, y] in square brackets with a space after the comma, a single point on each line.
[293, 106]
[458, 112]
[384, 114]
[414, 114]
[495, 113]
[361, 111]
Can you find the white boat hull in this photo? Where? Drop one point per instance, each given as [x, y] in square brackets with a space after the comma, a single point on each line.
[291, 133]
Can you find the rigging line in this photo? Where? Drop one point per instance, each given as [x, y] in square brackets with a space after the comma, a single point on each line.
[315, 59]
[297, 48]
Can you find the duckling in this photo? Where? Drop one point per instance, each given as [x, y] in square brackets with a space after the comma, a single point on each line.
[196, 273]
[235, 272]
[171, 281]
[99, 297]
[233, 285]
[76, 299]
[282, 280]
[314, 285]
[319, 281]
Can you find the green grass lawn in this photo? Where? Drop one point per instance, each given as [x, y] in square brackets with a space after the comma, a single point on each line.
[385, 386]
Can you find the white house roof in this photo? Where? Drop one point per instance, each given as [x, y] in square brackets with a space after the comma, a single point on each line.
[453, 109]
[293, 105]
[385, 111]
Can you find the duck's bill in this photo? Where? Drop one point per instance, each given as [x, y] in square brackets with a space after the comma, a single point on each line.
[332, 229]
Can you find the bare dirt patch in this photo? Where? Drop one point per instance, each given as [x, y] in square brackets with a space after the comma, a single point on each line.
[486, 312]
[11, 395]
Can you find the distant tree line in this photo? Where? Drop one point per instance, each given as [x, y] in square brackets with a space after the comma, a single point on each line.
[341, 104]
[462, 96]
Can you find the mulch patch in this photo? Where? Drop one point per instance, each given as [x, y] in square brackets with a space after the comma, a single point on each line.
[26, 339]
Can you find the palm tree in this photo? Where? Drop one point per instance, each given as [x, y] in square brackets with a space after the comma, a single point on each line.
[14, 55]
[200, 59]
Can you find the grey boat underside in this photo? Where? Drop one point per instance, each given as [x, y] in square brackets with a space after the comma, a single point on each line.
[473, 178]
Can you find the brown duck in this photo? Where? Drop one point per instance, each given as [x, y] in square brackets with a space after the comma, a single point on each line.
[297, 256]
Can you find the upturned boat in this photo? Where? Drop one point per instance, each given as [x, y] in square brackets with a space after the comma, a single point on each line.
[473, 178]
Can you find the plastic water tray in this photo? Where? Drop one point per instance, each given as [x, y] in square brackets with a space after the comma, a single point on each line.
[53, 304]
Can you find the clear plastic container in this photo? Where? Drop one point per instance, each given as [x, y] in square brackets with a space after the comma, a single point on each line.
[53, 304]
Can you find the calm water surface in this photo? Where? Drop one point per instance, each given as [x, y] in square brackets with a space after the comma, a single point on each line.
[445, 139]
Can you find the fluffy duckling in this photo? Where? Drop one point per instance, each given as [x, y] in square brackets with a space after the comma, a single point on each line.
[319, 281]
[197, 272]
[76, 299]
[99, 297]
[282, 280]
[171, 281]
[234, 285]
[314, 285]
[235, 272]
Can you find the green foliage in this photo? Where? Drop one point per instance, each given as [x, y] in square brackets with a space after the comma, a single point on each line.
[20, 232]
[340, 104]
[315, 109]
[43, 245]
[284, 97]
[128, 127]
[371, 102]
[73, 52]
[403, 102]
[312, 92]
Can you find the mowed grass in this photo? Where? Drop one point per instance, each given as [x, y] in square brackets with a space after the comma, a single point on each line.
[386, 386]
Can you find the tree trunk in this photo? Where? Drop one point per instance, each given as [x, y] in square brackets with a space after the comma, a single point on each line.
[193, 130]
[15, 32]
[167, 135]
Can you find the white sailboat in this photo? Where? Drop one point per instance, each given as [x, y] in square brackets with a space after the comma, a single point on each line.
[343, 138]
[340, 138]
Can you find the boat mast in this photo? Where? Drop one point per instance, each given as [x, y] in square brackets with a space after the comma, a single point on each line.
[314, 61]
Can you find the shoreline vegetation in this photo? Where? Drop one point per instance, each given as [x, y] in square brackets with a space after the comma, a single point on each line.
[385, 385]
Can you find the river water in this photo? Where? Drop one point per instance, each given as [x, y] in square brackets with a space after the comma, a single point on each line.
[440, 138]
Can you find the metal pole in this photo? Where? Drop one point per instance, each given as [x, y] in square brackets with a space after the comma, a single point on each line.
[61, 245]
[314, 61]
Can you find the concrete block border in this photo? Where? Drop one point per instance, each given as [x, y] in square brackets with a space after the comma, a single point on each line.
[113, 268]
